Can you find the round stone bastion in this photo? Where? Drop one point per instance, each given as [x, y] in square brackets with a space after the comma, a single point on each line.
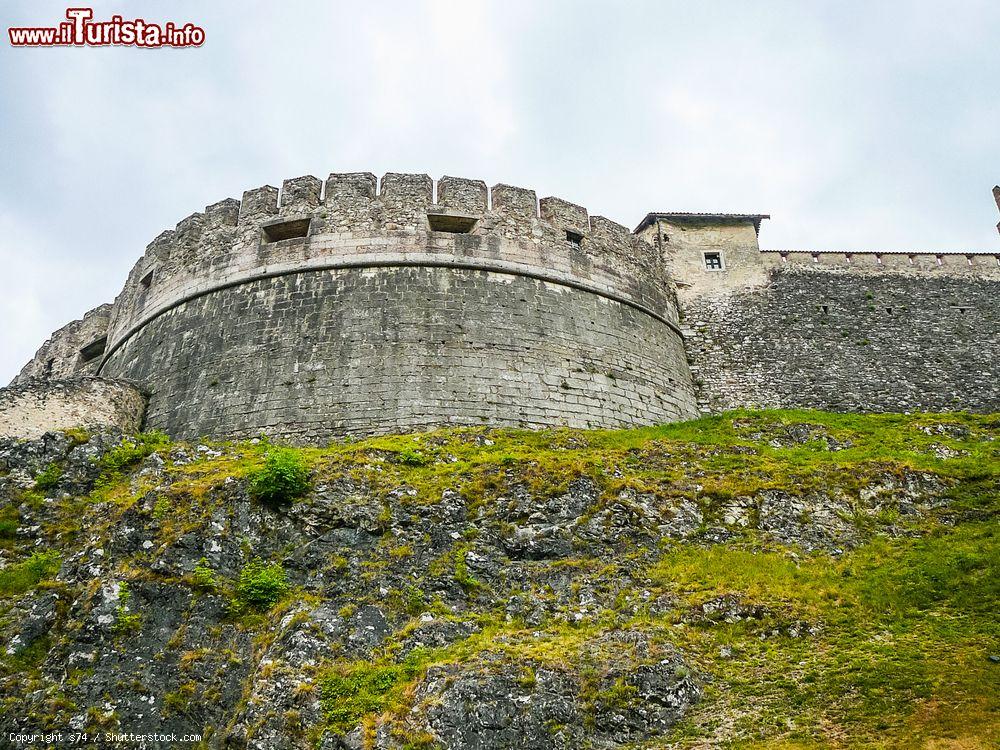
[347, 309]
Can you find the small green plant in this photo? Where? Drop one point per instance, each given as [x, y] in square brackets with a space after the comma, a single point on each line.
[261, 585]
[77, 435]
[283, 477]
[132, 450]
[126, 621]
[410, 457]
[204, 576]
[9, 521]
[465, 579]
[413, 600]
[49, 477]
[127, 454]
[179, 701]
[23, 576]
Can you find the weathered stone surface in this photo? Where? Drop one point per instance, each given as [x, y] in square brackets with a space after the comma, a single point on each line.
[847, 341]
[300, 356]
[35, 407]
[365, 307]
[62, 356]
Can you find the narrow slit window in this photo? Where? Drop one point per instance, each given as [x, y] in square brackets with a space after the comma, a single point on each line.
[286, 230]
[575, 237]
[713, 261]
[146, 282]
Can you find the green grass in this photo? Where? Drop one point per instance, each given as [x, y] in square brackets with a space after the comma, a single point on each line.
[48, 478]
[906, 626]
[26, 575]
[904, 622]
[125, 456]
[350, 691]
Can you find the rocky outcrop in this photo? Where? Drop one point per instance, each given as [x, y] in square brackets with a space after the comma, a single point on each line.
[440, 596]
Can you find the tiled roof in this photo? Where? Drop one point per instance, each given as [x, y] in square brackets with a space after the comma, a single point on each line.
[681, 216]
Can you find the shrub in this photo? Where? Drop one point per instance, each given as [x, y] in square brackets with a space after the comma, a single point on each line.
[283, 477]
[132, 450]
[49, 477]
[125, 621]
[23, 576]
[204, 576]
[261, 584]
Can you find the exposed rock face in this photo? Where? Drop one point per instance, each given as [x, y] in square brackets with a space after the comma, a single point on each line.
[505, 616]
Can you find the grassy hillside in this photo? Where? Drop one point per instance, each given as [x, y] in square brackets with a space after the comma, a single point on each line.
[790, 579]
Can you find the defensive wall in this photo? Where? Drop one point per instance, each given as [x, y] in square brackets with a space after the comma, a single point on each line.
[34, 407]
[864, 331]
[325, 309]
[75, 349]
[353, 306]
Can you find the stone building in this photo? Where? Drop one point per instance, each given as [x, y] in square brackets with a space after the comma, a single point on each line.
[356, 307]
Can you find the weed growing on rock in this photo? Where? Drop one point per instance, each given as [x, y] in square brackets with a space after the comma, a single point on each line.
[260, 586]
[126, 621]
[283, 478]
[204, 576]
[23, 576]
[49, 477]
[350, 691]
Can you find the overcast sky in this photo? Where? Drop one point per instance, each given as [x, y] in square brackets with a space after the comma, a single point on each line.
[856, 125]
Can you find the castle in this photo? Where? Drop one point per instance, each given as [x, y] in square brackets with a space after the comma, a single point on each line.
[353, 307]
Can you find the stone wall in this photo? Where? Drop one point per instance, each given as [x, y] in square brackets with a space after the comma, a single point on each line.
[316, 354]
[354, 305]
[32, 408]
[75, 349]
[324, 310]
[848, 340]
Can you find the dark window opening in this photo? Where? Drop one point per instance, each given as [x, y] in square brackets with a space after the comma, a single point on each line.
[286, 230]
[147, 281]
[713, 261]
[824, 308]
[49, 364]
[93, 350]
[889, 310]
[575, 237]
[451, 223]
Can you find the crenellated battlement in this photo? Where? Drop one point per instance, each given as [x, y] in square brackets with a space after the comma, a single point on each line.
[354, 219]
[359, 304]
[979, 264]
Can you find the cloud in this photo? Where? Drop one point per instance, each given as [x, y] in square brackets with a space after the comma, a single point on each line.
[853, 135]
